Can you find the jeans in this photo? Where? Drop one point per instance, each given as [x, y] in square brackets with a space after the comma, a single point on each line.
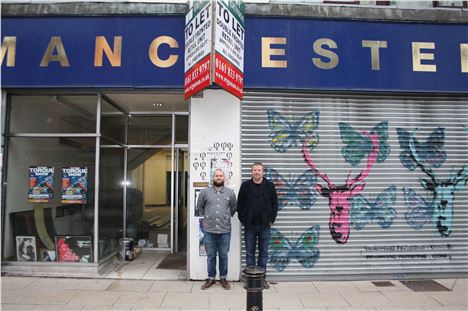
[217, 243]
[252, 235]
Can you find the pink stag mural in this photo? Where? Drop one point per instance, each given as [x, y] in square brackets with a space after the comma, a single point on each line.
[339, 196]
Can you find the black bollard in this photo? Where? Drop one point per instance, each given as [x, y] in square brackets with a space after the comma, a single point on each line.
[254, 277]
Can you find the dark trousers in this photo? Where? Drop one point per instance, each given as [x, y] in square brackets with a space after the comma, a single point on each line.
[257, 235]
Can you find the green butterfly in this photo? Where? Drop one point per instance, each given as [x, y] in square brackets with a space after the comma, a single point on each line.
[359, 146]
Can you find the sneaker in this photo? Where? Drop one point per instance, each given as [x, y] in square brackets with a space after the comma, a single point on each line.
[266, 285]
[208, 284]
[225, 284]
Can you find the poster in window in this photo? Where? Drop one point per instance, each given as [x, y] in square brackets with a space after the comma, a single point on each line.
[46, 255]
[41, 184]
[74, 185]
[74, 248]
[26, 248]
[201, 237]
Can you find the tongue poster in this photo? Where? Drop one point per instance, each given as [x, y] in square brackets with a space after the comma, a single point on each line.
[74, 185]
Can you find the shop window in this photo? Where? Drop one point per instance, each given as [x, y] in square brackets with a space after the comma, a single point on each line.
[181, 129]
[342, 2]
[53, 114]
[150, 130]
[450, 4]
[49, 199]
[111, 185]
[113, 123]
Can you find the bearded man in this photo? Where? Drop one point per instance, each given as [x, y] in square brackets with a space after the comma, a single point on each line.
[217, 204]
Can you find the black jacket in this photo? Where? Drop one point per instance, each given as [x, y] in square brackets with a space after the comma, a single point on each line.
[247, 198]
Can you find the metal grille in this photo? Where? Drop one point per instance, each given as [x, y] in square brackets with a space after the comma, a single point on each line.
[396, 249]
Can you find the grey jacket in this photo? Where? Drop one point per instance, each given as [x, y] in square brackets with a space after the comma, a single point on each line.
[217, 208]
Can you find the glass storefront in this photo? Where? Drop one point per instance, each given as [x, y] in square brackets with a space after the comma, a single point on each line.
[53, 145]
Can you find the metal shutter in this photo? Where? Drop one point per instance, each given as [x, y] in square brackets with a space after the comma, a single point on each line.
[399, 251]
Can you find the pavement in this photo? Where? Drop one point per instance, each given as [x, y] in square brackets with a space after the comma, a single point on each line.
[34, 293]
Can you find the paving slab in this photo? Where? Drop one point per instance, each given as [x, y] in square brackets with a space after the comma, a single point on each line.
[133, 300]
[11, 296]
[368, 286]
[295, 287]
[185, 300]
[226, 300]
[281, 300]
[48, 296]
[96, 298]
[411, 299]
[450, 298]
[12, 282]
[130, 285]
[172, 286]
[314, 300]
[8, 307]
[367, 299]
[335, 287]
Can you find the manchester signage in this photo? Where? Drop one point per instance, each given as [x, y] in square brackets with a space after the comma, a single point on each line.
[280, 53]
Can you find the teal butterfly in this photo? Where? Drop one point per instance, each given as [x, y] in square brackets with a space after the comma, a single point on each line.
[359, 146]
[304, 250]
[285, 134]
[379, 210]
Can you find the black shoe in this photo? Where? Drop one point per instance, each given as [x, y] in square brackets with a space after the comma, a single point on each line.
[225, 284]
[208, 284]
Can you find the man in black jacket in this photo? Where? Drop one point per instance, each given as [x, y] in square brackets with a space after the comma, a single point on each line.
[257, 207]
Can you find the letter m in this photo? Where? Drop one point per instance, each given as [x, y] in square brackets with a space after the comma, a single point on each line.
[9, 49]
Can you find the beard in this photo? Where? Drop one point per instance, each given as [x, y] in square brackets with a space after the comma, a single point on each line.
[218, 184]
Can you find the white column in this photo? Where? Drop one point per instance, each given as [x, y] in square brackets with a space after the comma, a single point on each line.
[214, 134]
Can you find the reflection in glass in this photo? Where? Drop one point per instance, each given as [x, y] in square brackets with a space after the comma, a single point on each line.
[111, 180]
[181, 129]
[149, 197]
[154, 130]
[53, 114]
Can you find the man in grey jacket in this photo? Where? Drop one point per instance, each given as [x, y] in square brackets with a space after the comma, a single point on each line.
[217, 204]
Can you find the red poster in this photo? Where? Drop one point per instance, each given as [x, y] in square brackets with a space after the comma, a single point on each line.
[228, 76]
[197, 78]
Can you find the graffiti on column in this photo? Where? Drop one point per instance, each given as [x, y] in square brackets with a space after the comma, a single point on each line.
[339, 196]
[358, 146]
[293, 191]
[426, 156]
[379, 210]
[285, 134]
[282, 250]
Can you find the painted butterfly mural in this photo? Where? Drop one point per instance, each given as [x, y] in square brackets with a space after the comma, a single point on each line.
[358, 146]
[285, 134]
[282, 251]
[439, 210]
[293, 191]
[431, 153]
[379, 210]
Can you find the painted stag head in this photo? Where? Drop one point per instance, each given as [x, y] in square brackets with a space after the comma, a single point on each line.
[339, 196]
[443, 191]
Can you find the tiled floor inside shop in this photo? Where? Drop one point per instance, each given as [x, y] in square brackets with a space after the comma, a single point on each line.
[145, 267]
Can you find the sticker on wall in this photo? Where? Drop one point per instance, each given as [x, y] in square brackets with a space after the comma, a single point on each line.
[358, 146]
[74, 185]
[197, 194]
[285, 134]
[303, 250]
[380, 210]
[202, 162]
[225, 165]
[293, 191]
[41, 184]
[201, 238]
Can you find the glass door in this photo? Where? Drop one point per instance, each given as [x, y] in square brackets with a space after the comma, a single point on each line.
[180, 212]
[149, 204]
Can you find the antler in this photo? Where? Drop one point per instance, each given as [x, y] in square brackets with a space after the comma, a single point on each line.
[370, 160]
[311, 163]
[415, 156]
[461, 175]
